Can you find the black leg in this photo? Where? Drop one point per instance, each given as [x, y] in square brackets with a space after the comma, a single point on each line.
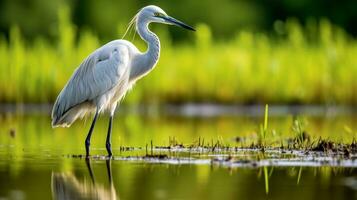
[109, 134]
[87, 142]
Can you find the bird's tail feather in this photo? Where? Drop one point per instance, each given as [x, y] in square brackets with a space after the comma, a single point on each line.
[66, 120]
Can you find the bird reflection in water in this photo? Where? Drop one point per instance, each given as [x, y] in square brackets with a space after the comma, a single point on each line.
[68, 186]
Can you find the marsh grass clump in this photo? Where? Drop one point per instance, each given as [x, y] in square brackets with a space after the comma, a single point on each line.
[301, 137]
[325, 145]
[298, 128]
[328, 146]
[173, 142]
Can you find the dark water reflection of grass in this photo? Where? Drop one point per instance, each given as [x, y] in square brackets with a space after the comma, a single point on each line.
[32, 154]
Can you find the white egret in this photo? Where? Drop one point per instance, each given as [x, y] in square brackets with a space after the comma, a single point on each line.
[104, 77]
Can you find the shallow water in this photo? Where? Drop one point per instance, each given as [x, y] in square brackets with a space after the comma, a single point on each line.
[46, 178]
[37, 162]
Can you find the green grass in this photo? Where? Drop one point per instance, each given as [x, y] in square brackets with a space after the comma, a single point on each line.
[307, 65]
[264, 128]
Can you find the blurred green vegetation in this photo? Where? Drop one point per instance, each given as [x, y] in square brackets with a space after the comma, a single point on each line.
[39, 17]
[312, 64]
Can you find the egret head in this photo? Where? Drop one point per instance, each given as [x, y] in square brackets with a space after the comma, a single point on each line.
[156, 14]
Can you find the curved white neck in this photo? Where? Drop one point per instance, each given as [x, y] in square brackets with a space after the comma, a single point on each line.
[146, 61]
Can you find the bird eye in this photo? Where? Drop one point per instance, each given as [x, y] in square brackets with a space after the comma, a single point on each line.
[157, 14]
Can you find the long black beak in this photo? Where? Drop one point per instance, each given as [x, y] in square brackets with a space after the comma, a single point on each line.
[176, 22]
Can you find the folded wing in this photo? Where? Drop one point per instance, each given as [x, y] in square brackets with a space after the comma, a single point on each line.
[98, 74]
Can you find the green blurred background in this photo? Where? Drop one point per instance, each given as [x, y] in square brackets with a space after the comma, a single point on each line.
[243, 52]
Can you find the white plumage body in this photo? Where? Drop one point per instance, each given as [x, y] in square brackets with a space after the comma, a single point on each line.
[99, 82]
